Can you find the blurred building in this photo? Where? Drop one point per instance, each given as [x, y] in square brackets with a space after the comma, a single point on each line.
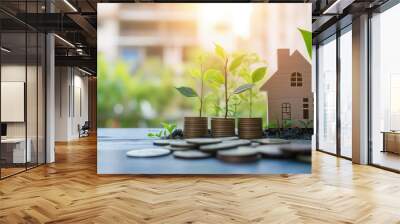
[134, 32]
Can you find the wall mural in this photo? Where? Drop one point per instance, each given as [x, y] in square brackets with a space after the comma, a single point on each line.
[196, 89]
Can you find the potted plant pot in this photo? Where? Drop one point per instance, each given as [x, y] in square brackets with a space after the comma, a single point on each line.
[222, 127]
[195, 127]
[250, 128]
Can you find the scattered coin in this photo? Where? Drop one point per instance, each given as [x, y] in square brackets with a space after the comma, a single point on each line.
[172, 148]
[148, 152]
[239, 155]
[224, 145]
[203, 141]
[181, 143]
[296, 149]
[191, 154]
[161, 142]
[229, 138]
[272, 141]
[271, 151]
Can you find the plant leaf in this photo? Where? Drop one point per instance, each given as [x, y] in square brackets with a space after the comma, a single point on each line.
[236, 62]
[243, 88]
[307, 37]
[187, 91]
[195, 73]
[220, 51]
[258, 74]
[215, 76]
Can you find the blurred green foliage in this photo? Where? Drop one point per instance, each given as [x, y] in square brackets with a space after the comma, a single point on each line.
[147, 96]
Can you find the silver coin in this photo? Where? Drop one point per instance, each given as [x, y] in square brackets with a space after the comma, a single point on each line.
[239, 155]
[203, 141]
[224, 145]
[229, 138]
[272, 141]
[240, 151]
[161, 142]
[181, 143]
[191, 154]
[271, 151]
[172, 148]
[148, 152]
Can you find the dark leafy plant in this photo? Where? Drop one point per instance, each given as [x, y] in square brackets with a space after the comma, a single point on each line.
[305, 124]
[287, 123]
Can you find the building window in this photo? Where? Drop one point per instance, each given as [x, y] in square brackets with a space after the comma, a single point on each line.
[296, 79]
[306, 114]
[286, 111]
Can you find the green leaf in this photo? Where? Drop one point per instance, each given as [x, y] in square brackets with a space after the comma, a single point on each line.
[215, 76]
[307, 37]
[195, 73]
[236, 62]
[220, 51]
[187, 91]
[243, 88]
[258, 74]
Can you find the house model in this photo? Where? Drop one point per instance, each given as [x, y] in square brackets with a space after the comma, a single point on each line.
[289, 89]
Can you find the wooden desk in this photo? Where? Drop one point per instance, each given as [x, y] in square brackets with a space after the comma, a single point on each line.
[18, 149]
[391, 141]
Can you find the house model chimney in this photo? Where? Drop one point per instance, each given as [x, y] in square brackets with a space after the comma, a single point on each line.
[283, 56]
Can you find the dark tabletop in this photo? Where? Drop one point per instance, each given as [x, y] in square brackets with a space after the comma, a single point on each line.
[113, 143]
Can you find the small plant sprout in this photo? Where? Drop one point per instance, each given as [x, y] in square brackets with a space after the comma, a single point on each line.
[221, 77]
[200, 74]
[253, 80]
[167, 131]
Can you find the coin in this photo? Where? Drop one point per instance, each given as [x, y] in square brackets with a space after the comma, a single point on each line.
[224, 145]
[161, 142]
[271, 151]
[203, 141]
[181, 143]
[172, 148]
[239, 155]
[296, 149]
[191, 154]
[272, 141]
[148, 152]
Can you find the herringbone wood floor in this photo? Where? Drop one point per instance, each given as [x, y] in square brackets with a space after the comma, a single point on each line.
[70, 191]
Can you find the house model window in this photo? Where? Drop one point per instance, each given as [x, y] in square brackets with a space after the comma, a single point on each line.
[296, 79]
[305, 109]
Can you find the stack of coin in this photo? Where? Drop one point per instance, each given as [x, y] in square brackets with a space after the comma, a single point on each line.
[195, 127]
[222, 127]
[250, 128]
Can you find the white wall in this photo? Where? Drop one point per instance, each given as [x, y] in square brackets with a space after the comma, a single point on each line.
[71, 87]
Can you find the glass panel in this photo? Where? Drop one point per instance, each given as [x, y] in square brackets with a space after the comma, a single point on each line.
[385, 114]
[31, 98]
[327, 96]
[41, 99]
[13, 86]
[346, 94]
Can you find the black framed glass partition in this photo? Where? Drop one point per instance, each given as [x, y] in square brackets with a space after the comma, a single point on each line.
[326, 100]
[385, 88]
[22, 77]
[334, 93]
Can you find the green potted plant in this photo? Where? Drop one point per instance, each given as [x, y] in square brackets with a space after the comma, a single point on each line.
[195, 127]
[224, 126]
[250, 127]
